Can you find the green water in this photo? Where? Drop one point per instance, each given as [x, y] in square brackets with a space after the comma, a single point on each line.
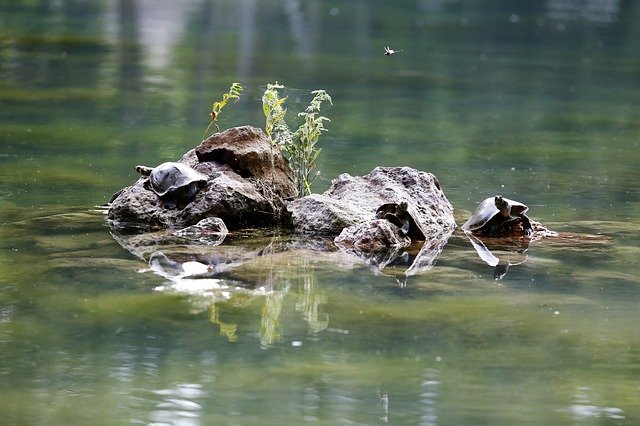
[536, 102]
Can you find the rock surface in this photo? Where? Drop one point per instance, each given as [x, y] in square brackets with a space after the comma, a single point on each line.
[352, 200]
[377, 235]
[243, 188]
[245, 151]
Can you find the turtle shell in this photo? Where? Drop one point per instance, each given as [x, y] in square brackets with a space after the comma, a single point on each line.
[170, 177]
[488, 209]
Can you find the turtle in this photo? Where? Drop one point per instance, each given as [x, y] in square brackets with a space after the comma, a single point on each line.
[495, 214]
[398, 214]
[176, 184]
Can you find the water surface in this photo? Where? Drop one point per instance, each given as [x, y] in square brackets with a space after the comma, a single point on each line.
[536, 102]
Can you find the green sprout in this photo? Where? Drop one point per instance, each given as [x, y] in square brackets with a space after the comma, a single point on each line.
[235, 91]
[276, 128]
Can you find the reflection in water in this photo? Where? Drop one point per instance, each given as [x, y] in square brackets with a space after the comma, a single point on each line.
[429, 397]
[583, 407]
[270, 324]
[383, 405]
[178, 405]
[309, 302]
[511, 252]
[216, 288]
[601, 11]
[227, 329]
[311, 403]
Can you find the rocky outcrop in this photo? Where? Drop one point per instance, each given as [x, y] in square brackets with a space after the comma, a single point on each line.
[248, 182]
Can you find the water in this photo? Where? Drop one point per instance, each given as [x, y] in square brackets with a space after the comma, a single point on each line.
[537, 102]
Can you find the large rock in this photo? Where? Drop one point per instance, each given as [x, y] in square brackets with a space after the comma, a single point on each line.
[353, 199]
[248, 183]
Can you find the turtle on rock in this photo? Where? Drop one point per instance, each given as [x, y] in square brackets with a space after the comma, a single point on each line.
[496, 215]
[398, 214]
[176, 184]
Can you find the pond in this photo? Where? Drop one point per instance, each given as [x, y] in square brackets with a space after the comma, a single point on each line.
[538, 102]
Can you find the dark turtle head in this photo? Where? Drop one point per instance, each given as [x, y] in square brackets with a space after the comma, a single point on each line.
[503, 206]
[143, 170]
[402, 208]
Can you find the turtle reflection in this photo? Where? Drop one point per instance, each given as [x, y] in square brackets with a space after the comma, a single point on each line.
[511, 252]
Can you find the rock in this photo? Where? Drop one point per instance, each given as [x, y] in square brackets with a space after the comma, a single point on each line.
[243, 189]
[377, 235]
[352, 200]
[321, 215]
[249, 153]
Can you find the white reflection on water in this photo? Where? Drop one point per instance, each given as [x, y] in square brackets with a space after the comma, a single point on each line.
[124, 370]
[602, 11]
[383, 405]
[583, 408]
[429, 397]
[178, 405]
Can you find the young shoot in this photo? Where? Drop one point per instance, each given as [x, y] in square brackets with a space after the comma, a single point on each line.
[276, 128]
[234, 93]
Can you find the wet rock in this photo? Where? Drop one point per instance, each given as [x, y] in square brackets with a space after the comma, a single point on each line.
[377, 242]
[248, 181]
[351, 200]
[211, 231]
[373, 236]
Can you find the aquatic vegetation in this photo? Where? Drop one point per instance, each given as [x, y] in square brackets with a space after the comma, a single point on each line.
[300, 145]
[235, 90]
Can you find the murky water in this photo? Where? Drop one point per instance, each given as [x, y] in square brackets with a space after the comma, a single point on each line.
[537, 102]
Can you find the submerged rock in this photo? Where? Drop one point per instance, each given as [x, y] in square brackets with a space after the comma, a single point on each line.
[247, 183]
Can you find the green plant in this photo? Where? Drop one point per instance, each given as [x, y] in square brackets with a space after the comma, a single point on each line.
[299, 146]
[303, 150]
[235, 90]
[276, 128]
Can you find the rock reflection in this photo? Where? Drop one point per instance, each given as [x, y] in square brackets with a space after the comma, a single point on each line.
[402, 262]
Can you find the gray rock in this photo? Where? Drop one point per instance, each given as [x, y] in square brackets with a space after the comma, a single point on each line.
[352, 200]
[377, 235]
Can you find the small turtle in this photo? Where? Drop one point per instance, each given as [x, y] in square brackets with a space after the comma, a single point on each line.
[175, 183]
[494, 213]
[398, 214]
